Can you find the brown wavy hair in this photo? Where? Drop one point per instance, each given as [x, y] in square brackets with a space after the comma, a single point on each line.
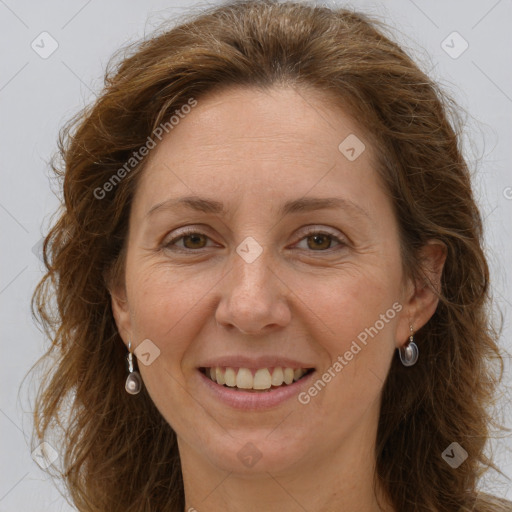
[117, 453]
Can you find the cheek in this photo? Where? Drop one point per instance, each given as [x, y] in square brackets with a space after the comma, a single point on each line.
[164, 303]
[354, 301]
[357, 332]
[164, 308]
[356, 321]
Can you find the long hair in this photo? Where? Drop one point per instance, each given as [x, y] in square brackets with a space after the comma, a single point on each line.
[117, 453]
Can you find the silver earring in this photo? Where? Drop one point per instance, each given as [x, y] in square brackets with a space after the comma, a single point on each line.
[133, 383]
[409, 353]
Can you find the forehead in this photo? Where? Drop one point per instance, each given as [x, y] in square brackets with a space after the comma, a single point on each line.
[279, 116]
[261, 142]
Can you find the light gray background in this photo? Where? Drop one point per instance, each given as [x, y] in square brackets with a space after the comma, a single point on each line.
[38, 95]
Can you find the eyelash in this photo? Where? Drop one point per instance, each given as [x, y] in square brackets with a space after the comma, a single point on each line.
[187, 232]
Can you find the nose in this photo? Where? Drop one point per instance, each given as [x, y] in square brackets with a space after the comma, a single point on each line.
[254, 300]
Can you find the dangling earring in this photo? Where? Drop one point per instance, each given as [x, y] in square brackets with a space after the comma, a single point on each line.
[409, 353]
[133, 381]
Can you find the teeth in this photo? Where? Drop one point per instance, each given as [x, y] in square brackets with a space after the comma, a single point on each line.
[219, 376]
[277, 376]
[230, 377]
[264, 378]
[288, 375]
[244, 379]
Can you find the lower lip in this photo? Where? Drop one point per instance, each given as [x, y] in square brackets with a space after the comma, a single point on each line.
[255, 400]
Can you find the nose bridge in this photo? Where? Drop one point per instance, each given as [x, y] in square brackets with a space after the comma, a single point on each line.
[251, 277]
[252, 295]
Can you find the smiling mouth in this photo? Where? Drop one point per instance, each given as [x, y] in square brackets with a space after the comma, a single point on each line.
[260, 380]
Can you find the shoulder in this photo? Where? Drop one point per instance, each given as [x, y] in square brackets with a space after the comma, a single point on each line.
[489, 503]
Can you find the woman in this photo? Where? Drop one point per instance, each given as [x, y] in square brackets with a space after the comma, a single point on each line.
[268, 218]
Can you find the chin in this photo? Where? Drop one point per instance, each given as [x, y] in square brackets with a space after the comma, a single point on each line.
[253, 454]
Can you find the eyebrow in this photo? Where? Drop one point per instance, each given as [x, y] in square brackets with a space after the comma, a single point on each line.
[301, 205]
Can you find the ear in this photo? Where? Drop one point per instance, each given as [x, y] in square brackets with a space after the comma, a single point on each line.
[420, 296]
[121, 312]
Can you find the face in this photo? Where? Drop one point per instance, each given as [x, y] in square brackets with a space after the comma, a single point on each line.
[263, 274]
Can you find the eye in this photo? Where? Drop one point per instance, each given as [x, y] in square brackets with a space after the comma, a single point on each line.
[195, 240]
[321, 240]
[195, 237]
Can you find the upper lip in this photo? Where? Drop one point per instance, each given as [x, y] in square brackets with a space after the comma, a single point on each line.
[254, 362]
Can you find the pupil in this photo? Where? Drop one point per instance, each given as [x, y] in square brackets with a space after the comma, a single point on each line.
[320, 237]
[194, 238]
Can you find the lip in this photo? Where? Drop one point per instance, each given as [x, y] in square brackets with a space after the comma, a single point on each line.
[253, 401]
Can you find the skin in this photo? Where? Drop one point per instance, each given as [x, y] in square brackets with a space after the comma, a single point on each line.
[302, 297]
